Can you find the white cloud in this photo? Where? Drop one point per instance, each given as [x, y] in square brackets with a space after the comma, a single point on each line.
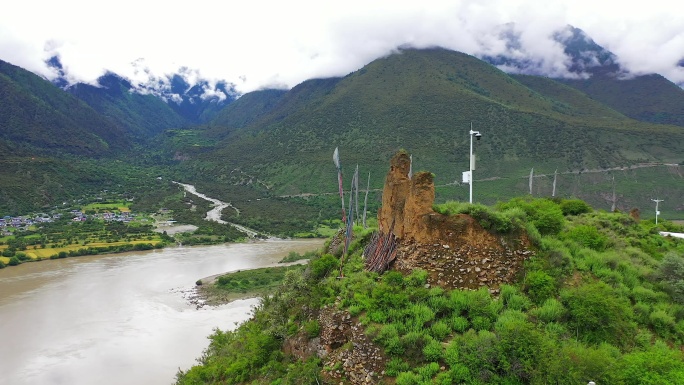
[267, 42]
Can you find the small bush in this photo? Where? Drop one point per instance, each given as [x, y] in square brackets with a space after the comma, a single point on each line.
[481, 323]
[433, 350]
[539, 286]
[395, 366]
[551, 311]
[459, 324]
[662, 323]
[451, 355]
[417, 278]
[426, 372]
[393, 278]
[440, 330]
[408, 378]
[14, 261]
[575, 207]
[312, 328]
[518, 302]
[588, 236]
[323, 266]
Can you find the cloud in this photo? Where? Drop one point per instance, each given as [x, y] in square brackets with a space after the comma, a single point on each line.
[266, 43]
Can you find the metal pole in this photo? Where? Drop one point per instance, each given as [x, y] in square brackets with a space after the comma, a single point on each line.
[470, 160]
[657, 212]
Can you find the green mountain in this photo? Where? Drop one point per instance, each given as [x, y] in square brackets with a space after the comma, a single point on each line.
[37, 116]
[424, 101]
[649, 98]
[252, 107]
[54, 148]
[142, 115]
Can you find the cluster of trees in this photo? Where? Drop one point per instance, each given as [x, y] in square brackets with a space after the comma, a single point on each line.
[601, 300]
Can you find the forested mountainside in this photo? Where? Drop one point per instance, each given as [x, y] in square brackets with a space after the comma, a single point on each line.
[37, 116]
[275, 143]
[424, 101]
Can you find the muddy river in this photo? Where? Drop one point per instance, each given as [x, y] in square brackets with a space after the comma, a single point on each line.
[118, 319]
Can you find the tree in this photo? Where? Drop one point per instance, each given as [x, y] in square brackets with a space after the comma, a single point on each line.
[598, 314]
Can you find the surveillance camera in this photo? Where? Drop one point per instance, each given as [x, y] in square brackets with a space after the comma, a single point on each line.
[478, 136]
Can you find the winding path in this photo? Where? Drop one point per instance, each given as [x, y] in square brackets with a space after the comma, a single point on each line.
[215, 213]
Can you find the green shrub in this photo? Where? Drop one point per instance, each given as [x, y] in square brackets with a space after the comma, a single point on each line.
[574, 207]
[459, 324]
[643, 339]
[479, 303]
[323, 266]
[518, 302]
[657, 365]
[408, 378]
[551, 311]
[642, 294]
[598, 314]
[440, 330]
[451, 356]
[417, 278]
[393, 278]
[539, 286]
[433, 350]
[546, 216]
[395, 366]
[355, 310]
[672, 273]
[662, 323]
[587, 236]
[458, 301]
[418, 315]
[642, 312]
[426, 372]
[14, 261]
[2, 265]
[481, 323]
[312, 328]
[386, 333]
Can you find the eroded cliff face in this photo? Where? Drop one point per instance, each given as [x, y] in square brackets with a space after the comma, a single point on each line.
[455, 250]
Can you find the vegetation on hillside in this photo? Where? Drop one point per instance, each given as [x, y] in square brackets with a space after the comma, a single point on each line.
[649, 98]
[43, 117]
[601, 300]
[421, 97]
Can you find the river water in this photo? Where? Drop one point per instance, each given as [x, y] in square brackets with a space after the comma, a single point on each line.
[119, 319]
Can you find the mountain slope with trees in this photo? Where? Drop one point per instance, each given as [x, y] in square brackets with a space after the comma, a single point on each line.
[38, 115]
[142, 115]
[424, 101]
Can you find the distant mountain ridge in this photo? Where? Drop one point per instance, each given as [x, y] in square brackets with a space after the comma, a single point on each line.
[648, 98]
[423, 101]
[37, 116]
[163, 102]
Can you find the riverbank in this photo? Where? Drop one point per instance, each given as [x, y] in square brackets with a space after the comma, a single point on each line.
[208, 292]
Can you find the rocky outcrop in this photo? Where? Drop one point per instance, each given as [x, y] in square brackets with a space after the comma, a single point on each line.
[351, 358]
[455, 250]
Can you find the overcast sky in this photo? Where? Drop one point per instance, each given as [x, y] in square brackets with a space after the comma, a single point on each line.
[266, 43]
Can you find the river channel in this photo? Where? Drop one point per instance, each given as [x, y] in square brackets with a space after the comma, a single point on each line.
[119, 319]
